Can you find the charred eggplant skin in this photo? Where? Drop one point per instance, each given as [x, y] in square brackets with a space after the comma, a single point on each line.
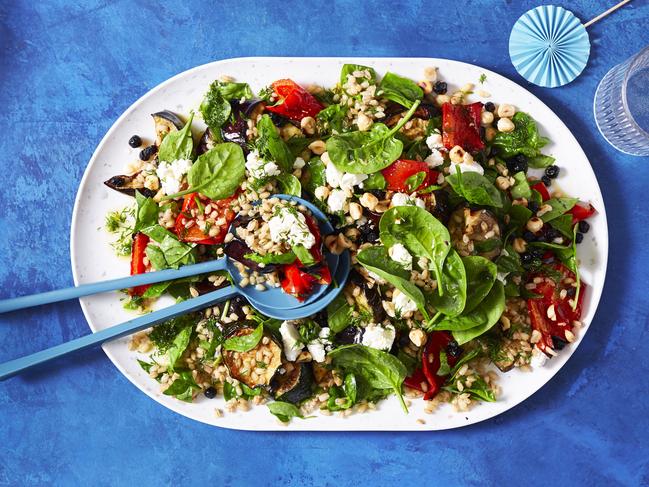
[294, 385]
[165, 122]
[127, 185]
[243, 366]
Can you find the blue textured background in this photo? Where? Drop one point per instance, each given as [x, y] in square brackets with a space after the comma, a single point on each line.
[68, 70]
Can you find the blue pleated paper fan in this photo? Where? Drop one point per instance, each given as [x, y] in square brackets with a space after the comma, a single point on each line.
[549, 46]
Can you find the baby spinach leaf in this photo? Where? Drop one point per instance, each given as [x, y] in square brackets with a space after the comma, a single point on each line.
[244, 343]
[303, 254]
[178, 145]
[420, 232]
[400, 90]
[416, 180]
[480, 275]
[491, 309]
[183, 388]
[175, 252]
[297, 144]
[156, 257]
[313, 175]
[216, 108]
[367, 152]
[339, 313]
[348, 69]
[179, 345]
[559, 207]
[284, 411]
[454, 297]
[285, 258]
[524, 139]
[348, 391]
[521, 188]
[377, 260]
[289, 184]
[563, 223]
[375, 181]
[217, 173]
[540, 161]
[146, 213]
[271, 147]
[518, 216]
[475, 188]
[378, 369]
[332, 119]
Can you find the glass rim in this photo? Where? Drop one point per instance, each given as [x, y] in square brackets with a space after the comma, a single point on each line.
[625, 105]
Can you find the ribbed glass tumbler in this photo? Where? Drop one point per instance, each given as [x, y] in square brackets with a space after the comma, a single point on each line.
[622, 105]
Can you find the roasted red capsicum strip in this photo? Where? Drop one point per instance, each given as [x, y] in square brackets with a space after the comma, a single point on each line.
[194, 234]
[581, 211]
[397, 174]
[542, 189]
[461, 126]
[552, 313]
[138, 253]
[295, 102]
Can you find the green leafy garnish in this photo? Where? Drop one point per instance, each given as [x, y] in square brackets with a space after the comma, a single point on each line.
[368, 152]
[400, 90]
[244, 343]
[420, 232]
[375, 369]
[284, 411]
[216, 108]
[178, 145]
[217, 173]
[475, 188]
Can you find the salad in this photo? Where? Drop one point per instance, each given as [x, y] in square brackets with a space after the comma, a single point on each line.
[464, 249]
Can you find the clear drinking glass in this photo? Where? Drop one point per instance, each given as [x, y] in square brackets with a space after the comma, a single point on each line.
[622, 105]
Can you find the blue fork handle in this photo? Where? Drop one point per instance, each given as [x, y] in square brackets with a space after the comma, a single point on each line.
[13, 367]
[13, 304]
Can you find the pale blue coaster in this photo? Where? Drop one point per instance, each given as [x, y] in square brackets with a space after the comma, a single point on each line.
[549, 46]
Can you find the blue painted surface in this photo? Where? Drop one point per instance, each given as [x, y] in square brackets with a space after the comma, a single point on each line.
[68, 70]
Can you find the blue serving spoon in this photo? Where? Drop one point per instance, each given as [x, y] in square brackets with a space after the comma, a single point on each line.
[325, 294]
[271, 297]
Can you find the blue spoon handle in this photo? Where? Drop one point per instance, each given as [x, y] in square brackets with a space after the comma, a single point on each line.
[13, 304]
[13, 367]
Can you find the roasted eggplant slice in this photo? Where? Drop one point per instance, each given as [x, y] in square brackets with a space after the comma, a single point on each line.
[475, 232]
[349, 336]
[165, 122]
[293, 382]
[246, 367]
[205, 143]
[128, 185]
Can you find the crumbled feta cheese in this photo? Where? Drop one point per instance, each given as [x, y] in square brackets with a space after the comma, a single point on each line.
[299, 163]
[402, 199]
[400, 255]
[349, 180]
[402, 303]
[378, 279]
[379, 337]
[342, 180]
[333, 175]
[502, 277]
[258, 168]
[436, 158]
[538, 358]
[291, 340]
[289, 226]
[336, 201]
[467, 167]
[434, 141]
[171, 174]
[318, 347]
